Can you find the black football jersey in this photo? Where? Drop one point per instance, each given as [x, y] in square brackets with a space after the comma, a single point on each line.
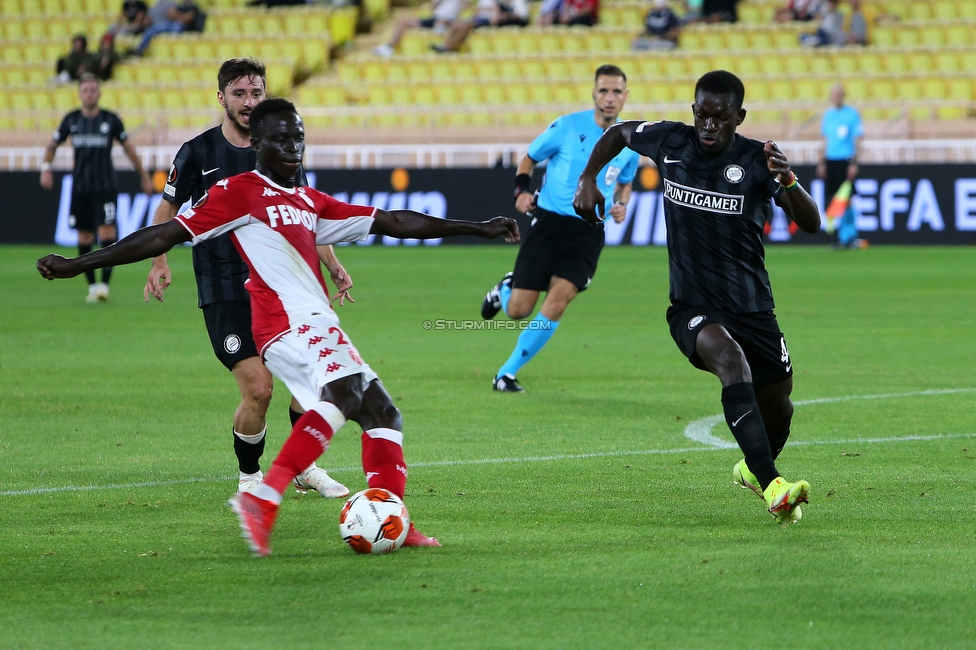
[91, 139]
[716, 208]
[199, 164]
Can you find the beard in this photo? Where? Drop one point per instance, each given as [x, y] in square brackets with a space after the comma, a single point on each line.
[235, 119]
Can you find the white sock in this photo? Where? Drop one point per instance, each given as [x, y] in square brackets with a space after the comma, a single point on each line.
[254, 439]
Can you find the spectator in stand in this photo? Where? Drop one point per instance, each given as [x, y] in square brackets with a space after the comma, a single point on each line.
[798, 10]
[445, 14]
[857, 25]
[134, 18]
[175, 19]
[719, 11]
[488, 13]
[103, 61]
[570, 12]
[77, 62]
[661, 26]
[831, 30]
[693, 11]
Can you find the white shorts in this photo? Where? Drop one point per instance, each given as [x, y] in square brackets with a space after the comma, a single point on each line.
[313, 354]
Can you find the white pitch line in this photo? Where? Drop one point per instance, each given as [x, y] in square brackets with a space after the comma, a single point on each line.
[708, 422]
[701, 430]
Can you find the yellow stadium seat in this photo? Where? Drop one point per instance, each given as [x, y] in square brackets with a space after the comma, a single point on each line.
[488, 71]
[870, 63]
[518, 94]
[895, 63]
[204, 49]
[960, 35]
[525, 45]
[564, 94]
[549, 42]
[920, 62]
[772, 66]
[736, 40]
[649, 67]
[401, 95]
[857, 89]
[52, 7]
[675, 67]
[16, 77]
[494, 94]
[748, 13]
[946, 61]
[596, 43]
[557, 69]
[907, 36]
[464, 71]
[781, 91]
[845, 63]
[882, 89]
[658, 92]
[35, 29]
[959, 88]
[691, 39]
[510, 69]
[821, 64]
[883, 36]
[315, 53]
[808, 90]
[31, 8]
[478, 44]
[713, 40]
[441, 70]
[534, 69]
[966, 9]
[470, 94]
[786, 39]
[379, 96]
[747, 66]
[572, 43]
[697, 66]
[762, 40]
[540, 93]
[10, 8]
[424, 95]
[920, 11]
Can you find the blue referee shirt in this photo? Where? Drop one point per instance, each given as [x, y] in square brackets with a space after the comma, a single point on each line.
[841, 127]
[567, 143]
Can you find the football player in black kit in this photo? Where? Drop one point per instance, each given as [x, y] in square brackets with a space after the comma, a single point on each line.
[94, 189]
[717, 191]
[215, 154]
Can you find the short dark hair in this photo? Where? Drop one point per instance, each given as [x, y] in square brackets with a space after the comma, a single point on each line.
[233, 69]
[721, 82]
[267, 109]
[82, 38]
[88, 76]
[608, 71]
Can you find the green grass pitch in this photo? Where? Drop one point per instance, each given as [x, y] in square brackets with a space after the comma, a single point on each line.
[576, 515]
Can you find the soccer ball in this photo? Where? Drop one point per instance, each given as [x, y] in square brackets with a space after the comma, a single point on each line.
[374, 521]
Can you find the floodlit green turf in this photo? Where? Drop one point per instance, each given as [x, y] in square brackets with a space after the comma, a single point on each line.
[576, 515]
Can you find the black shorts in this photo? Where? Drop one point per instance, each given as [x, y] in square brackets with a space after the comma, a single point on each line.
[229, 326]
[89, 210]
[836, 175]
[565, 247]
[757, 333]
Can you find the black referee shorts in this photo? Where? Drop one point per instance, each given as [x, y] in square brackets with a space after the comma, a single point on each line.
[836, 175]
[565, 247]
[757, 333]
[89, 210]
[229, 326]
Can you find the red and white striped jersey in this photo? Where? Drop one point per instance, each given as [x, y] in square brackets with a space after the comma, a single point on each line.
[276, 230]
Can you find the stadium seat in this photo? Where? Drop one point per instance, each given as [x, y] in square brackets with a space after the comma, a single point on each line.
[895, 63]
[960, 35]
[946, 61]
[870, 63]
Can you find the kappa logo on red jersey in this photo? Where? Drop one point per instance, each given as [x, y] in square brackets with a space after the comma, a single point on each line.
[302, 329]
[324, 352]
[332, 367]
[270, 192]
[354, 355]
[315, 340]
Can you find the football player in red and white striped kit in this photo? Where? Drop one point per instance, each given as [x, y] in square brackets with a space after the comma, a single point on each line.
[276, 228]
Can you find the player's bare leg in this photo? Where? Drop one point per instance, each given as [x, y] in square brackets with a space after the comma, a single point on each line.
[250, 419]
[107, 235]
[86, 239]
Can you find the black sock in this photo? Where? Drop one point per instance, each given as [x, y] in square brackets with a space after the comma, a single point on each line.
[107, 271]
[294, 415]
[745, 423]
[248, 455]
[89, 275]
[777, 440]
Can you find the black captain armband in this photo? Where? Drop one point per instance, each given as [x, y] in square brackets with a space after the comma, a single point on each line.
[522, 182]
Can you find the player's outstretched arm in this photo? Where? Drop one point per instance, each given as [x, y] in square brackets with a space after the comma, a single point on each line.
[795, 201]
[410, 224]
[140, 245]
[589, 200]
[159, 274]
